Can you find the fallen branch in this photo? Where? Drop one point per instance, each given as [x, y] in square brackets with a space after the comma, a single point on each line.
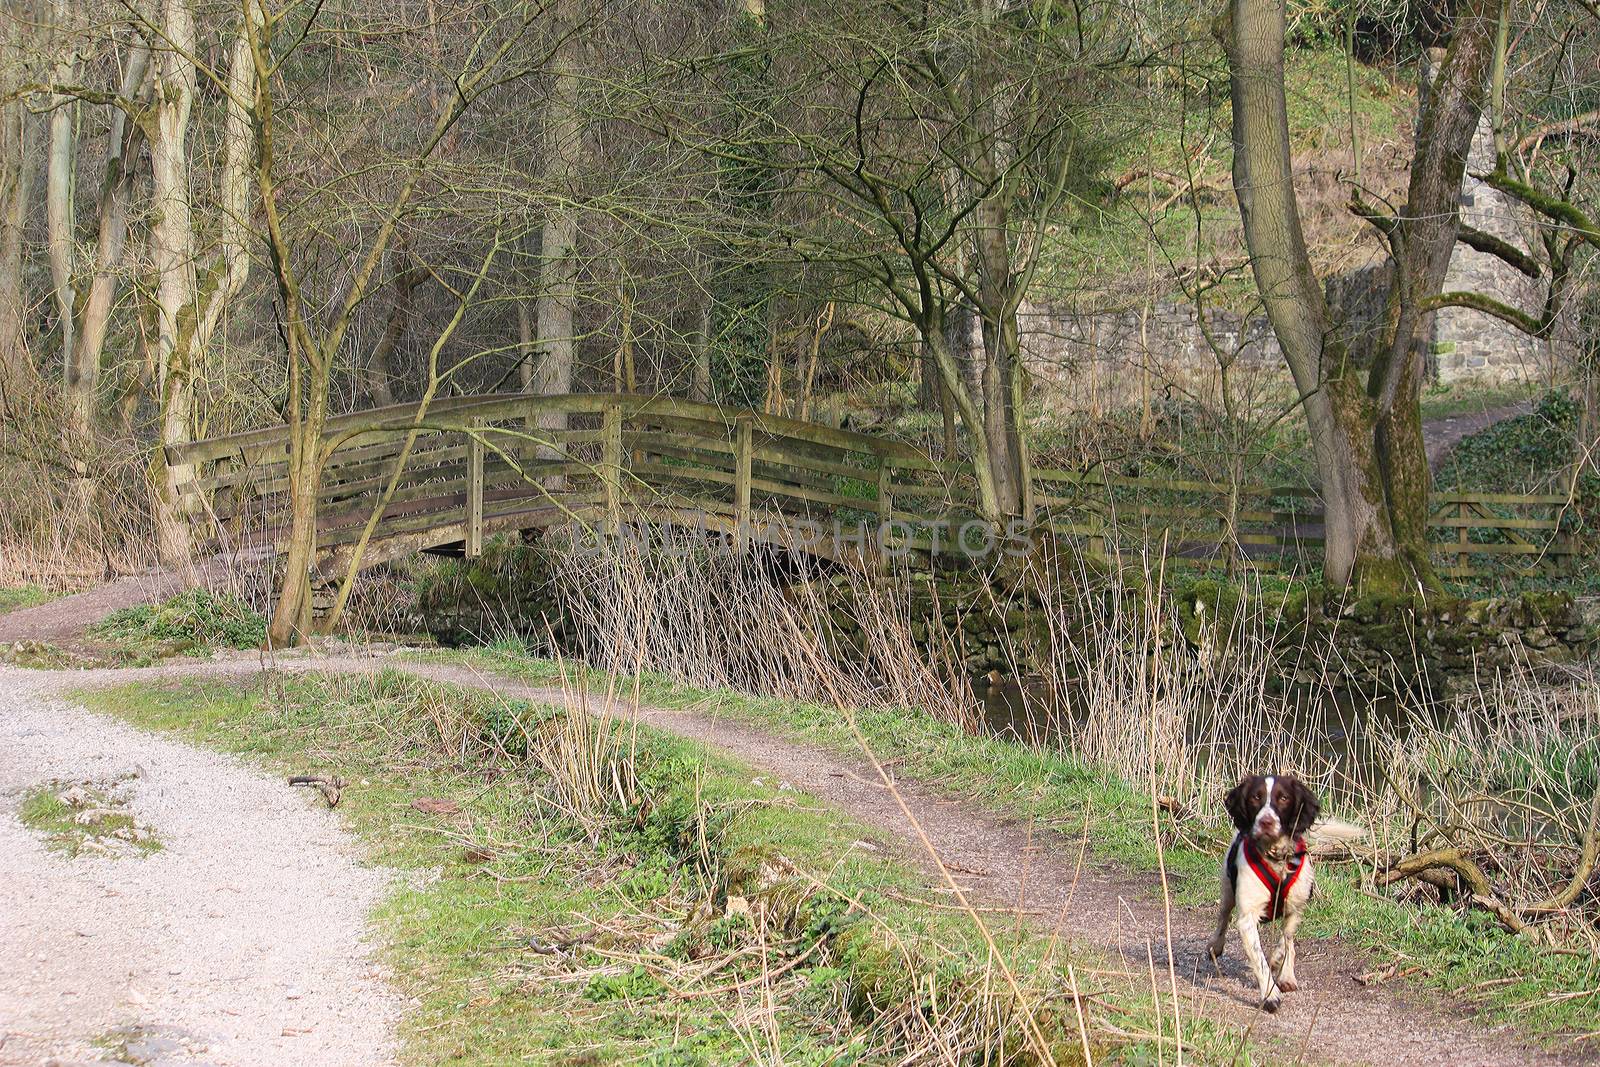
[329, 787]
[1586, 863]
[1454, 859]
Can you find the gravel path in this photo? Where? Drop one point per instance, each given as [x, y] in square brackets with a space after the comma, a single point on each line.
[1332, 1019]
[242, 942]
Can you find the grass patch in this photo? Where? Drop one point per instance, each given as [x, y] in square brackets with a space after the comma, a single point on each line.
[193, 623]
[81, 819]
[26, 595]
[1446, 399]
[695, 913]
[1462, 952]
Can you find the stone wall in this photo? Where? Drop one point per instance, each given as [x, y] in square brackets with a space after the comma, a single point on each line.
[1471, 344]
[505, 593]
[1166, 338]
[995, 623]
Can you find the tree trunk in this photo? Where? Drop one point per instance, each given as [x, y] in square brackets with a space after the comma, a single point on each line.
[291, 617]
[558, 267]
[929, 391]
[187, 315]
[955, 367]
[1426, 231]
[59, 221]
[1367, 441]
[526, 353]
[122, 146]
[406, 276]
[1002, 436]
[16, 366]
[1001, 384]
[700, 353]
[172, 255]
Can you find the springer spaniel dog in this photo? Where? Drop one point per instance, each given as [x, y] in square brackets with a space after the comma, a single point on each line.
[1267, 875]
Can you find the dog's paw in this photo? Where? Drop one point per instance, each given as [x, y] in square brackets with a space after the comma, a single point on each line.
[1288, 985]
[1273, 1002]
[1214, 948]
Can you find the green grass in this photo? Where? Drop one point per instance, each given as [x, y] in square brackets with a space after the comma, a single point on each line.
[196, 623]
[43, 810]
[25, 595]
[1091, 244]
[1445, 400]
[543, 939]
[1507, 978]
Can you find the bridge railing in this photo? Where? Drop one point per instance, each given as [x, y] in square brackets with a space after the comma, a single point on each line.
[475, 466]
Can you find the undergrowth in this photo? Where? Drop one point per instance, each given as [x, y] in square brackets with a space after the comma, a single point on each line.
[24, 595]
[1522, 454]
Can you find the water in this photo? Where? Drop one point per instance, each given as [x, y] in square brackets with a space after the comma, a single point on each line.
[1340, 729]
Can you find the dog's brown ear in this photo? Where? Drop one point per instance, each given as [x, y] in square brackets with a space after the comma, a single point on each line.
[1238, 805]
[1305, 809]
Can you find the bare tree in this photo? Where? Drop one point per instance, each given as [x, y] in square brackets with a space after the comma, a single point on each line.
[313, 338]
[192, 294]
[916, 157]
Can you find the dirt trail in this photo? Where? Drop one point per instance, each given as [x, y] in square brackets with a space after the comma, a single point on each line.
[1331, 1020]
[241, 943]
[66, 617]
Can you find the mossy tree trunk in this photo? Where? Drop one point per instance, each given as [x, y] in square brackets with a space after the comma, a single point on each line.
[1361, 395]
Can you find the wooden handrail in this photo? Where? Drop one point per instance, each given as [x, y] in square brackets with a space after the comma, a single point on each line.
[470, 472]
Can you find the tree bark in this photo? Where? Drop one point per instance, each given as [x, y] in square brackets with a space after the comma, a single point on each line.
[558, 267]
[172, 255]
[94, 317]
[526, 352]
[59, 221]
[700, 353]
[406, 276]
[16, 365]
[191, 298]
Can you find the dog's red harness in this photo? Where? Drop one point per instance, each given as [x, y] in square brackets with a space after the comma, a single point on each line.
[1277, 888]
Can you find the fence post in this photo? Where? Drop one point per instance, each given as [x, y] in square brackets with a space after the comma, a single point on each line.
[1463, 512]
[743, 453]
[474, 546]
[885, 510]
[611, 465]
[1097, 540]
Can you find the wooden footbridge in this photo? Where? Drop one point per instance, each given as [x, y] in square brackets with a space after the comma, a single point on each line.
[475, 466]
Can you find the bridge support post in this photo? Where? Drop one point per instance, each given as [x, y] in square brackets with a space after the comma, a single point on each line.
[611, 465]
[743, 454]
[474, 532]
